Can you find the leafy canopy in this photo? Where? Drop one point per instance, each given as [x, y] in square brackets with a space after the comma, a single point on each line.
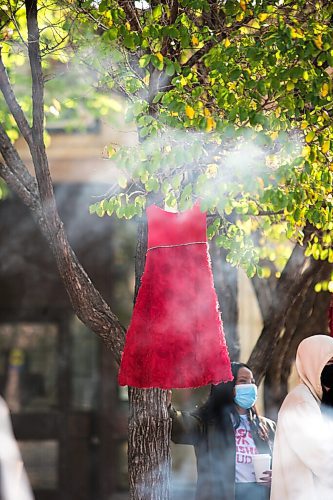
[232, 101]
[233, 104]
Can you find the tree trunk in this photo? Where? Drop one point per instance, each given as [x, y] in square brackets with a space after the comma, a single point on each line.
[149, 427]
[149, 445]
[292, 282]
[226, 286]
[305, 317]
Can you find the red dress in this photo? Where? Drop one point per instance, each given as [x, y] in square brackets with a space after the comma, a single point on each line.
[175, 339]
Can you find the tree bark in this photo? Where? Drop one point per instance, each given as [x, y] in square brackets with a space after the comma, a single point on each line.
[226, 286]
[149, 429]
[293, 279]
[149, 445]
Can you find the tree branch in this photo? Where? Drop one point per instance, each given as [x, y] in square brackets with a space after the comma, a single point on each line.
[174, 11]
[205, 49]
[214, 41]
[293, 278]
[12, 103]
[131, 14]
[26, 185]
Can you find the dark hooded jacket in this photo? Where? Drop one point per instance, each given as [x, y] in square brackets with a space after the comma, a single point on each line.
[216, 451]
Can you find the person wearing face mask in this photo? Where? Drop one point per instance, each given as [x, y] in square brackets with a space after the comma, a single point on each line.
[303, 450]
[226, 432]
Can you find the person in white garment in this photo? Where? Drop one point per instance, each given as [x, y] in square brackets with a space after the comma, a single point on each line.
[14, 484]
[303, 447]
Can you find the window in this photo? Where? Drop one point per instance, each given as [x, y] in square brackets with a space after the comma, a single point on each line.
[28, 371]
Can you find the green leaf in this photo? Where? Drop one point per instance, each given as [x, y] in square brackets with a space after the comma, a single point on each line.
[187, 191]
[157, 12]
[122, 181]
[170, 68]
[152, 185]
[129, 41]
[157, 63]
[112, 33]
[310, 136]
[176, 180]
[235, 74]
[144, 60]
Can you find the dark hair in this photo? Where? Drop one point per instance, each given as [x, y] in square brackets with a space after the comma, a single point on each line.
[221, 398]
[220, 405]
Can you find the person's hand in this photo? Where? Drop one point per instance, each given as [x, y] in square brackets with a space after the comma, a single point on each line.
[169, 396]
[266, 480]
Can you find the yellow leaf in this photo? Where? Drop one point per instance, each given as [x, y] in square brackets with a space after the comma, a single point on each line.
[318, 42]
[305, 75]
[254, 24]
[211, 124]
[240, 16]
[167, 10]
[242, 4]
[108, 152]
[189, 111]
[304, 124]
[227, 43]
[207, 112]
[306, 151]
[159, 56]
[278, 112]
[183, 81]
[195, 41]
[274, 135]
[293, 33]
[232, 85]
[324, 90]
[128, 26]
[56, 104]
[325, 115]
[263, 16]
[326, 146]
[211, 169]
[290, 86]
[296, 33]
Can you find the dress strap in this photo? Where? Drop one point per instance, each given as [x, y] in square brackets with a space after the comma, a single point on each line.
[178, 245]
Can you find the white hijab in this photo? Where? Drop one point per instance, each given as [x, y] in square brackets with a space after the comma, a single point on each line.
[312, 355]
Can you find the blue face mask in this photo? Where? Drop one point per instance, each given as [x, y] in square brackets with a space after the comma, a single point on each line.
[246, 395]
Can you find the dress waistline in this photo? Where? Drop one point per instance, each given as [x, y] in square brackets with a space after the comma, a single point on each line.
[178, 245]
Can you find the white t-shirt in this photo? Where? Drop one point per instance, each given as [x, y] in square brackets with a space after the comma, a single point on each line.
[245, 449]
